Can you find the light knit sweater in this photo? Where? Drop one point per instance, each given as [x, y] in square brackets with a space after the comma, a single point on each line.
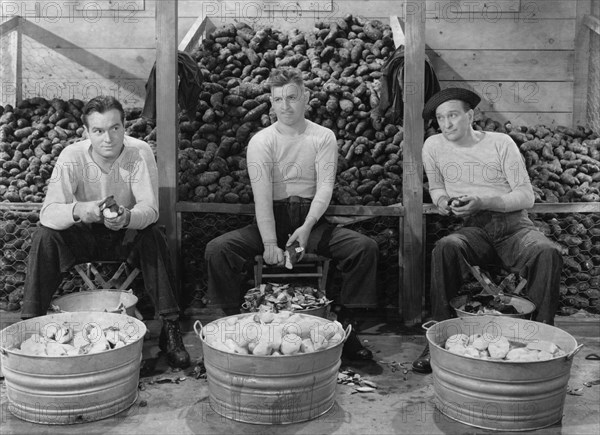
[132, 180]
[493, 167]
[280, 166]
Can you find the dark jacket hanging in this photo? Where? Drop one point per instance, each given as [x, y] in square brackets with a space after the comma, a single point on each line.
[188, 93]
[391, 105]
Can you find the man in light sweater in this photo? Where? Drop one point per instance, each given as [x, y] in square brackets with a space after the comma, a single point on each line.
[73, 229]
[487, 172]
[292, 167]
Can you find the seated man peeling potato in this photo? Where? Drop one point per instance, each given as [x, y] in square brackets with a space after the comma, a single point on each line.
[102, 204]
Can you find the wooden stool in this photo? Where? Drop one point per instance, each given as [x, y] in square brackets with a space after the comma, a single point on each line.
[311, 266]
[95, 281]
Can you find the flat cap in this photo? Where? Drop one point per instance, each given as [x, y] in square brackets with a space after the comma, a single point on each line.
[469, 97]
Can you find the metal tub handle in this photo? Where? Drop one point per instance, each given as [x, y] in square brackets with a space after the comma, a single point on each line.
[573, 352]
[348, 331]
[428, 324]
[198, 329]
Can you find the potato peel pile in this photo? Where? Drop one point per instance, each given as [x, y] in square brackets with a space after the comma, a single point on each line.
[283, 297]
[63, 340]
[273, 334]
[500, 348]
[489, 304]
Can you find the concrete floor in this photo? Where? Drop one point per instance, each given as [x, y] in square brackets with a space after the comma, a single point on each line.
[402, 404]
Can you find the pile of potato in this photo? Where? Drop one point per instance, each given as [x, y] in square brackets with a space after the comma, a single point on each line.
[342, 64]
[274, 334]
[32, 135]
[63, 340]
[500, 348]
[563, 163]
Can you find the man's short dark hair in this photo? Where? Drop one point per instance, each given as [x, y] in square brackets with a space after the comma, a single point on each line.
[102, 104]
[284, 76]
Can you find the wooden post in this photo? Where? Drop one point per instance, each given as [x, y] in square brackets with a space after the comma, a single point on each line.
[412, 177]
[14, 52]
[166, 117]
[582, 62]
[19, 63]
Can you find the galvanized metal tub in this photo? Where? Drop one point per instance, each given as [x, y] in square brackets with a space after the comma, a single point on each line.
[71, 389]
[499, 394]
[524, 306]
[271, 389]
[111, 301]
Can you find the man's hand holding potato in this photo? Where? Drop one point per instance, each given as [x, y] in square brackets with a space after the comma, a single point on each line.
[120, 221]
[116, 216]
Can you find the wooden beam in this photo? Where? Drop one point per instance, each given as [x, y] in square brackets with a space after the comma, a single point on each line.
[166, 116]
[541, 208]
[9, 25]
[582, 62]
[397, 31]
[593, 23]
[196, 33]
[19, 64]
[332, 210]
[412, 259]
[14, 66]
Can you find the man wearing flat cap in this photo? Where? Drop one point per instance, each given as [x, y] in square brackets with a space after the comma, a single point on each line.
[480, 176]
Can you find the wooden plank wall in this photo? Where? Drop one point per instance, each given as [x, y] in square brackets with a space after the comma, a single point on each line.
[81, 49]
[518, 53]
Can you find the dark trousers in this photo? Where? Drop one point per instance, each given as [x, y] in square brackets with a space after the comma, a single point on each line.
[489, 237]
[54, 253]
[356, 256]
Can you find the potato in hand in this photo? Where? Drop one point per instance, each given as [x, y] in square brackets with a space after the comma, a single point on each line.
[109, 208]
[457, 201]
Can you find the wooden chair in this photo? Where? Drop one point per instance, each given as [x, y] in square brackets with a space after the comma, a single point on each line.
[311, 266]
[95, 281]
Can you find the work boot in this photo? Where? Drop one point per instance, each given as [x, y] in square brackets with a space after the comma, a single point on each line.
[353, 348]
[171, 342]
[423, 363]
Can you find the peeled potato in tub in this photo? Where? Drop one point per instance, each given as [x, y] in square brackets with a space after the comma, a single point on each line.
[264, 317]
[262, 348]
[59, 333]
[457, 348]
[457, 339]
[290, 344]
[307, 346]
[479, 342]
[543, 355]
[284, 334]
[499, 347]
[234, 347]
[62, 340]
[522, 354]
[542, 345]
[34, 345]
[336, 338]
[59, 349]
[471, 351]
